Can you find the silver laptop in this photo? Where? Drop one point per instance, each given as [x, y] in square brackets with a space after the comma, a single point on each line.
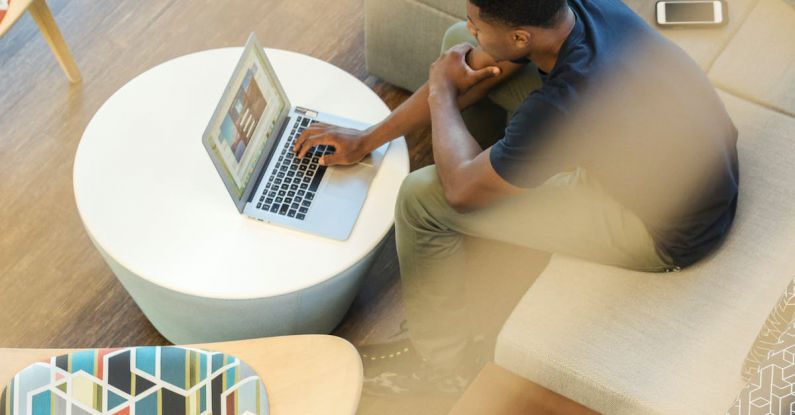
[250, 140]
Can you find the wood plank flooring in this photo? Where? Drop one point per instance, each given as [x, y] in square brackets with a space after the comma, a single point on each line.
[55, 289]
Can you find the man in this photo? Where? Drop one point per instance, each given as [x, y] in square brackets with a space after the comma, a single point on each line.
[618, 151]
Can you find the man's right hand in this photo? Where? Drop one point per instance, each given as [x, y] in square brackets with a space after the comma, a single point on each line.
[350, 146]
[478, 59]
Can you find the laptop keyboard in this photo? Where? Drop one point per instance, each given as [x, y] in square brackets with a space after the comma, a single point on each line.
[293, 183]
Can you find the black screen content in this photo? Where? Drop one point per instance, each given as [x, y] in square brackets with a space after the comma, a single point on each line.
[689, 12]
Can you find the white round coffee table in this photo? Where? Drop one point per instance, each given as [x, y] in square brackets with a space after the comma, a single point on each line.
[157, 211]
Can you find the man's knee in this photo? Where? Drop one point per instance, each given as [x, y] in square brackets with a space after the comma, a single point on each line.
[419, 193]
[455, 34]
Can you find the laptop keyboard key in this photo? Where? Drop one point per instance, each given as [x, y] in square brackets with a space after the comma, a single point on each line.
[318, 177]
[291, 213]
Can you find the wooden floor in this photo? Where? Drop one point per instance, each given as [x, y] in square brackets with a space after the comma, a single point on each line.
[55, 289]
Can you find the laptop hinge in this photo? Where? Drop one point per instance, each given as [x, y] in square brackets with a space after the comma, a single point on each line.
[307, 112]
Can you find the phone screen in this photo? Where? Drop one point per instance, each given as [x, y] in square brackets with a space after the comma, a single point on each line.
[689, 12]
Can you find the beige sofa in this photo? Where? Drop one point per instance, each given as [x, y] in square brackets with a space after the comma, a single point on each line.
[623, 342]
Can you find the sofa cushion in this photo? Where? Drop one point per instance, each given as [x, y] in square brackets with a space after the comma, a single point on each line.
[772, 388]
[455, 8]
[624, 342]
[143, 380]
[702, 44]
[759, 63]
[777, 322]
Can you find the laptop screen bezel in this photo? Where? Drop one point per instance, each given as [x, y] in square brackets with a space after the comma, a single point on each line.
[252, 46]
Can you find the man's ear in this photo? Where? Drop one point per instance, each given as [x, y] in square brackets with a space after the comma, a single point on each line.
[521, 38]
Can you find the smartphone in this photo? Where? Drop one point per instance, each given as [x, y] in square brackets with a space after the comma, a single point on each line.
[691, 13]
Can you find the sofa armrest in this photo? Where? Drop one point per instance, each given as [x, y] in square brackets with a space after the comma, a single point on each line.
[402, 38]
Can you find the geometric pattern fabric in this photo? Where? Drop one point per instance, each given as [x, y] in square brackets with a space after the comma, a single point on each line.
[780, 318]
[772, 389]
[153, 380]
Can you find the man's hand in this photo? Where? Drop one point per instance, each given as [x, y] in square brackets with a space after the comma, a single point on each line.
[451, 74]
[349, 144]
[478, 59]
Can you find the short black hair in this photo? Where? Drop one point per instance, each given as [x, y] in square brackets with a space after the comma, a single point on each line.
[541, 13]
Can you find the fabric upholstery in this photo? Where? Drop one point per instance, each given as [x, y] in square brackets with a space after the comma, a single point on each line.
[703, 44]
[624, 342]
[772, 388]
[759, 63]
[402, 39]
[455, 8]
[143, 380]
[777, 322]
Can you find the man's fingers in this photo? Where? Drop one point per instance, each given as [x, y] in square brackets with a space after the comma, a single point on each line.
[314, 129]
[485, 73]
[318, 140]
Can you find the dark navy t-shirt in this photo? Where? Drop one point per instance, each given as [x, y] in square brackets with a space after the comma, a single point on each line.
[641, 118]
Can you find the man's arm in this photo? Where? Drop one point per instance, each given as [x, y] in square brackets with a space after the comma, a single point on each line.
[412, 115]
[468, 178]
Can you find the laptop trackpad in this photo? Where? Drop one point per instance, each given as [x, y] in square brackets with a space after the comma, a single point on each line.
[348, 180]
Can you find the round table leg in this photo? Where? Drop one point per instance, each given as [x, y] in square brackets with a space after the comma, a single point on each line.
[183, 318]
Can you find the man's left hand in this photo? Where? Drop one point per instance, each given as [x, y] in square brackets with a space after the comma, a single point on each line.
[450, 74]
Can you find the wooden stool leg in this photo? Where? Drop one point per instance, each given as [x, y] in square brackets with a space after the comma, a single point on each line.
[49, 28]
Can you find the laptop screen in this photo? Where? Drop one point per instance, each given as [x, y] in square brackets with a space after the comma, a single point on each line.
[245, 120]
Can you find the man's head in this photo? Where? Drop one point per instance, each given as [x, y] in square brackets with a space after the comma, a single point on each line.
[513, 29]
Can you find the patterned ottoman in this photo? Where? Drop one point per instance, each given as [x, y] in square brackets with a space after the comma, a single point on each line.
[138, 380]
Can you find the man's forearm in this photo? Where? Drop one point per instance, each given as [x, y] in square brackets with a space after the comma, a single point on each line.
[453, 145]
[414, 114]
[410, 116]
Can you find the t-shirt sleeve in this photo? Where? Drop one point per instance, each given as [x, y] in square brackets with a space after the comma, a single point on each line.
[524, 157]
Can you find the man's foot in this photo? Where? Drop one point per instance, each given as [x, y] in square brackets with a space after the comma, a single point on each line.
[395, 369]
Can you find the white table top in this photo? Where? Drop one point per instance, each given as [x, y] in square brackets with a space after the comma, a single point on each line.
[150, 197]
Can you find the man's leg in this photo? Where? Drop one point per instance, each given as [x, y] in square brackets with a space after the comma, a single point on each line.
[568, 214]
[486, 122]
